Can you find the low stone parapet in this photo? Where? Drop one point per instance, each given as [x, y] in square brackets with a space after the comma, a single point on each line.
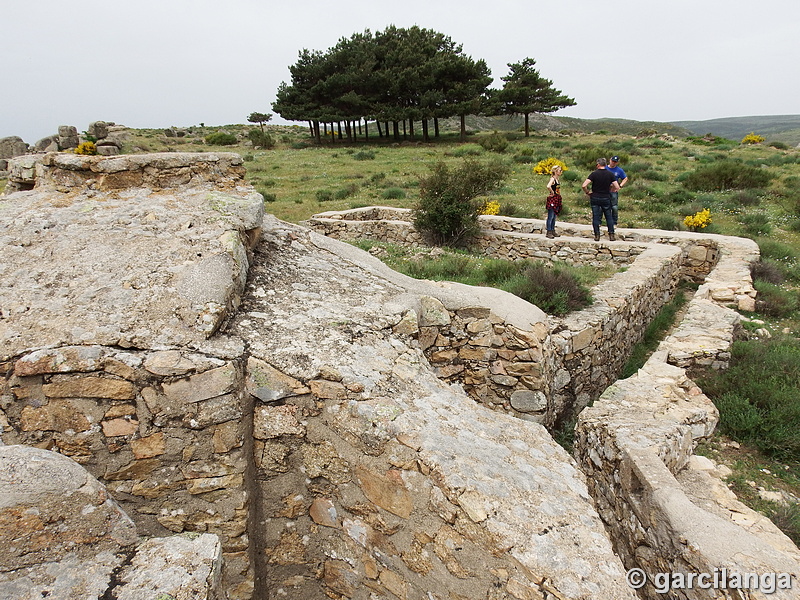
[69, 173]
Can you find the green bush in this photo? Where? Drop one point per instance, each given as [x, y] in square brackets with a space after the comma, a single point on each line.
[467, 150]
[346, 191]
[552, 289]
[495, 142]
[268, 196]
[220, 138]
[680, 196]
[774, 300]
[726, 175]
[376, 179]
[758, 396]
[766, 270]
[447, 211]
[666, 222]
[260, 139]
[364, 155]
[756, 224]
[324, 195]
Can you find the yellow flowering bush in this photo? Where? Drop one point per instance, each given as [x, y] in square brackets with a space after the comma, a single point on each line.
[752, 138]
[490, 208]
[700, 220]
[544, 167]
[87, 148]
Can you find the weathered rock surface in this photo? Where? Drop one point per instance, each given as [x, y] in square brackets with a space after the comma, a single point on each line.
[449, 495]
[12, 146]
[89, 260]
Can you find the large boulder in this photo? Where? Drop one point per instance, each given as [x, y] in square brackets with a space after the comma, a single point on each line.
[67, 137]
[98, 130]
[12, 146]
[47, 144]
[51, 507]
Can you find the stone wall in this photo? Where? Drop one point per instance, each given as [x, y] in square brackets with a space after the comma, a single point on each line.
[378, 479]
[166, 431]
[517, 239]
[111, 297]
[666, 510]
[551, 375]
[64, 538]
[307, 431]
[308, 426]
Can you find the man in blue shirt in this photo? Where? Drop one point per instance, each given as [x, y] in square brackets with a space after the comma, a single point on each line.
[622, 179]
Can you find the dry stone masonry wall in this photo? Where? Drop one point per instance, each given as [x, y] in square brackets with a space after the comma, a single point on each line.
[279, 414]
[666, 510]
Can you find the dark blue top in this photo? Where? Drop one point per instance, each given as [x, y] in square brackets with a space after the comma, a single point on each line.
[618, 173]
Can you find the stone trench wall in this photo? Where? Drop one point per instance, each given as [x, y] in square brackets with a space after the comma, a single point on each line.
[169, 433]
[667, 510]
[518, 239]
[310, 440]
[553, 374]
[315, 442]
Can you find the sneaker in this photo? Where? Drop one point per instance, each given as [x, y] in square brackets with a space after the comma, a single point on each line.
[612, 237]
[596, 237]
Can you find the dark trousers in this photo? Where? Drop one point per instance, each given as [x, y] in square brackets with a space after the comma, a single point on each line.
[615, 206]
[601, 207]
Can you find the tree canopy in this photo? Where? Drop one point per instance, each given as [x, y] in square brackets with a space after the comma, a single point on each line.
[525, 91]
[399, 75]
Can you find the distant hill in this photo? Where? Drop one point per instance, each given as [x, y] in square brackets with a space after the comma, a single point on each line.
[775, 128]
[540, 122]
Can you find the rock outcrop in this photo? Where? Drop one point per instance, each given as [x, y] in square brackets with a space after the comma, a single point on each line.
[302, 411]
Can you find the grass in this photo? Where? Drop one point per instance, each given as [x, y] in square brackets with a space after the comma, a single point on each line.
[654, 333]
[530, 280]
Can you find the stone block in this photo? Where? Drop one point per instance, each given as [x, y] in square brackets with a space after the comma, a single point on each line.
[274, 421]
[528, 401]
[90, 387]
[387, 491]
[432, 312]
[211, 383]
[268, 384]
[60, 360]
[51, 507]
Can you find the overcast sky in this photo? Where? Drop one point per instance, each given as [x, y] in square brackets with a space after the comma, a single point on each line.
[161, 63]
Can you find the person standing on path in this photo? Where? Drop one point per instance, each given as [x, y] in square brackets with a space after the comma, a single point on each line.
[622, 179]
[553, 204]
[603, 182]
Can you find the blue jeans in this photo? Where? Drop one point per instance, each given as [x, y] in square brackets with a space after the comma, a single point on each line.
[600, 208]
[615, 206]
[550, 224]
